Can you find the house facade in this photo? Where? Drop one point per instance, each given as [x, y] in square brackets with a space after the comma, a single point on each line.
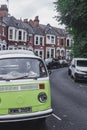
[3, 35]
[45, 40]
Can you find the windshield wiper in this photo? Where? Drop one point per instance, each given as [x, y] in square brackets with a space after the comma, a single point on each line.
[16, 75]
[27, 77]
[19, 77]
[6, 79]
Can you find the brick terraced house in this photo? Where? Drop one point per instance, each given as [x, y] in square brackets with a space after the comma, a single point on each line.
[45, 40]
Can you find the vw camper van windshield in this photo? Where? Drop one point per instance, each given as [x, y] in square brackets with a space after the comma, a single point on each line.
[17, 68]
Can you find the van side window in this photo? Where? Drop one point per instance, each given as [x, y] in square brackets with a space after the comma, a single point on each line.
[42, 69]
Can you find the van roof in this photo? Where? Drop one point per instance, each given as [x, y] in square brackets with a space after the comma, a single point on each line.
[80, 58]
[17, 53]
[4, 52]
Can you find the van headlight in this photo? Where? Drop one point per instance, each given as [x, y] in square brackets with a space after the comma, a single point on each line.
[42, 97]
[78, 70]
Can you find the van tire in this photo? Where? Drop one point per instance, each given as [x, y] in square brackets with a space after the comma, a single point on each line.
[71, 75]
[75, 79]
[69, 72]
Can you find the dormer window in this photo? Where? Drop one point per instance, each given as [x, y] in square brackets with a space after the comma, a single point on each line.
[50, 39]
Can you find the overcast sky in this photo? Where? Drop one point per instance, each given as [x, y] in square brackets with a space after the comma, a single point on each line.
[30, 8]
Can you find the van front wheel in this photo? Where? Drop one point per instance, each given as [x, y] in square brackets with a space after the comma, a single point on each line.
[75, 79]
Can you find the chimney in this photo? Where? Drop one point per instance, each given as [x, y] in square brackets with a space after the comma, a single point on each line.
[3, 11]
[36, 21]
[31, 22]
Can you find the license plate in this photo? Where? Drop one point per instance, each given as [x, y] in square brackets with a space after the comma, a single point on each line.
[19, 110]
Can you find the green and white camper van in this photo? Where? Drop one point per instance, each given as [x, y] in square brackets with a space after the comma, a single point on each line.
[24, 86]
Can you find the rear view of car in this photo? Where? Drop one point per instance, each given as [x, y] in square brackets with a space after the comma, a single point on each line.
[52, 63]
[24, 87]
[63, 63]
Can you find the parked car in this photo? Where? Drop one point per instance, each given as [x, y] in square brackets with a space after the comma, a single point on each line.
[78, 69]
[52, 63]
[63, 63]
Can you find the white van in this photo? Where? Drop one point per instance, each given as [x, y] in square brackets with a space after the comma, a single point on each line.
[78, 69]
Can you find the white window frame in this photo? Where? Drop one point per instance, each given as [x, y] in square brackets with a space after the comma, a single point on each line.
[49, 49]
[38, 51]
[39, 36]
[30, 38]
[14, 35]
[49, 39]
[58, 41]
[3, 31]
[20, 36]
[24, 36]
[10, 28]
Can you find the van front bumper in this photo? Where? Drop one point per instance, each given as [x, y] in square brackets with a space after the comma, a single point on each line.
[25, 117]
[81, 76]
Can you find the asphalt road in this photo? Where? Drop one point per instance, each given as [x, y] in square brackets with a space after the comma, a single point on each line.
[69, 100]
[69, 103]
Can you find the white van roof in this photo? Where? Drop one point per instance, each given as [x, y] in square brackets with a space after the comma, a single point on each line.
[4, 52]
[16, 53]
[80, 58]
